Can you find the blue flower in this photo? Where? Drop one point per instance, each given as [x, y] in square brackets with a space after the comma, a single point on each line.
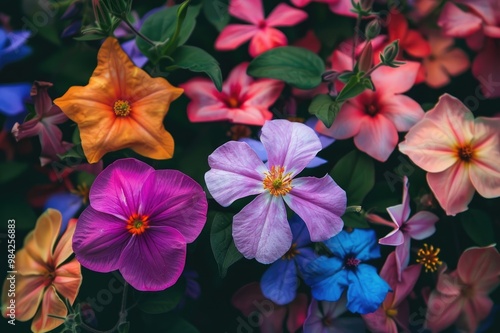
[280, 282]
[12, 46]
[346, 269]
[67, 203]
[12, 98]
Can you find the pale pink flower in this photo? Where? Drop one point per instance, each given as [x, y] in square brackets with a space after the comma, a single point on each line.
[261, 32]
[395, 310]
[461, 154]
[374, 118]
[242, 100]
[461, 297]
[341, 7]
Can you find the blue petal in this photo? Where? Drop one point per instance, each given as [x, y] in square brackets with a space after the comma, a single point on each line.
[304, 258]
[366, 291]
[362, 243]
[257, 147]
[11, 46]
[12, 97]
[320, 269]
[325, 140]
[316, 162]
[280, 282]
[331, 288]
[299, 231]
[67, 203]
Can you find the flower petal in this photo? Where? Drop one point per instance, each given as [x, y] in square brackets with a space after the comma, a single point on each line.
[485, 71]
[68, 280]
[257, 147]
[46, 231]
[480, 267]
[64, 246]
[52, 304]
[29, 295]
[442, 311]
[154, 260]
[172, 199]
[454, 22]
[233, 35]
[421, 225]
[290, 145]
[475, 310]
[319, 202]
[377, 137]
[347, 123]
[452, 188]
[12, 97]
[366, 290]
[279, 282]
[327, 278]
[261, 230]
[284, 15]
[360, 242]
[297, 311]
[247, 10]
[236, 172]
[455, 61]
[299, 231]
[403, 111]
[262, 93]
[390, 81]
[403, 255]
[393, 238]
[266, 39]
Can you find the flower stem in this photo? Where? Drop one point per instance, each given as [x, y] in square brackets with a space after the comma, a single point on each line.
[355, 41]
[137, 32]
[373, 69]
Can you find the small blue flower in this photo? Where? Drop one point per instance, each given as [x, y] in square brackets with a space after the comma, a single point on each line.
[12, 46]
[346, 269]
[12, 98]
[67, 203]
[280, 282]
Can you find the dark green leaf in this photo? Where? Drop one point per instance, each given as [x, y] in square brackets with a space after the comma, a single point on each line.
[296, 66]
[355, 173]
[90, 37]
[198, 60]
[344, 78]
[124, 327]
[222, 243]
[163, 301]
[355, 220]
[324, 108]
[381, 197]
[477, 224]
[216, 12]
[75, 138]
[353, 88]
[74, 154]
[10, 170]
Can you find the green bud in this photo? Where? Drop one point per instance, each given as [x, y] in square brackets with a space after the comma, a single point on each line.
[390, 53]
[366, 58]
[372, 29]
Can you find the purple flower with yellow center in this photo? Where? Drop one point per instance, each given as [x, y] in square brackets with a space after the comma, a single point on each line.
[139, 221]
[280, 281]
[261, 229]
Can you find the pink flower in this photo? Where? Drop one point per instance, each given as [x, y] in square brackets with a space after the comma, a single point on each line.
[444, 61]
[261, 32]
[374, 118]
[271, 317]
[461, 154]
[242, 100]
[461, 297]
[419, 226]
[395, 310]
[341, 7]
[480, 25]
[261, 229]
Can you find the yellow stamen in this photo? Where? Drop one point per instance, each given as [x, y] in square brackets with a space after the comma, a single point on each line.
[391, 312]
[82, 190]
[122, 108]
[291, 253]
[137, 224]
[233, 102]
[276, 183]
[428, 257]
[465, 153]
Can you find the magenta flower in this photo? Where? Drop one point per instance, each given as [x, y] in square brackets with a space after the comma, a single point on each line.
[461, 297]
[261, 30]
[374, 118]
[261, 229]
[419, 226]
[395, 310]
[243, 100]
[44, 124]
[139, 221]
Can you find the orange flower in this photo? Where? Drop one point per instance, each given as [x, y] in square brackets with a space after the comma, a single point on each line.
[121, 107]
[43, 275]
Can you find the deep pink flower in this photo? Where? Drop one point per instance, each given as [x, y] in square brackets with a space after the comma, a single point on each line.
[270, 316]
[419, 226]
[242, 100]
[261, 32]
[461, 154]
[395, 310]
[341, 7]
[374, 118]
[461, 297]
[139, 221]
[44, 124]
[261, 229]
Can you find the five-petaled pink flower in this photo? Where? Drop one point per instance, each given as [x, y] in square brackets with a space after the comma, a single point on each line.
[419, 226]
[461, 297]
[243, 100]
[261, 229]
[261, 32]
[395, 310]
[459, 153]
[374, 118]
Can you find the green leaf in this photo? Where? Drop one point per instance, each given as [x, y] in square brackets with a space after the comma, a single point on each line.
[381, 196]
[355, 86]
[477, 224]
[16, 208]
[75, 138]
[355, 173]
[160, 27]
[89, 37]
[74, 153]
[124, 327]
[222, 243]
[355, 220]
[216, 12]
[198, 60]
[163, 301]
[296, 66]
[324, 108]
[10, 170]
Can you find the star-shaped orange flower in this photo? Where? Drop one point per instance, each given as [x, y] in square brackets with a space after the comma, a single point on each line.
[121, 107]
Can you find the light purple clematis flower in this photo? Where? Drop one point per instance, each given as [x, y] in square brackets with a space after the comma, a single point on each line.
[419, 226]
[44, 124]
[261, 229]
[139, 222]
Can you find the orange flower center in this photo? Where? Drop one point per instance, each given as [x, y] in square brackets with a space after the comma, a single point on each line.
[465, 153]
[391, 312]
[137, 224]
[233, 102]
[428, 257]
[276, 183]
[291, 253]
[122, 108]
